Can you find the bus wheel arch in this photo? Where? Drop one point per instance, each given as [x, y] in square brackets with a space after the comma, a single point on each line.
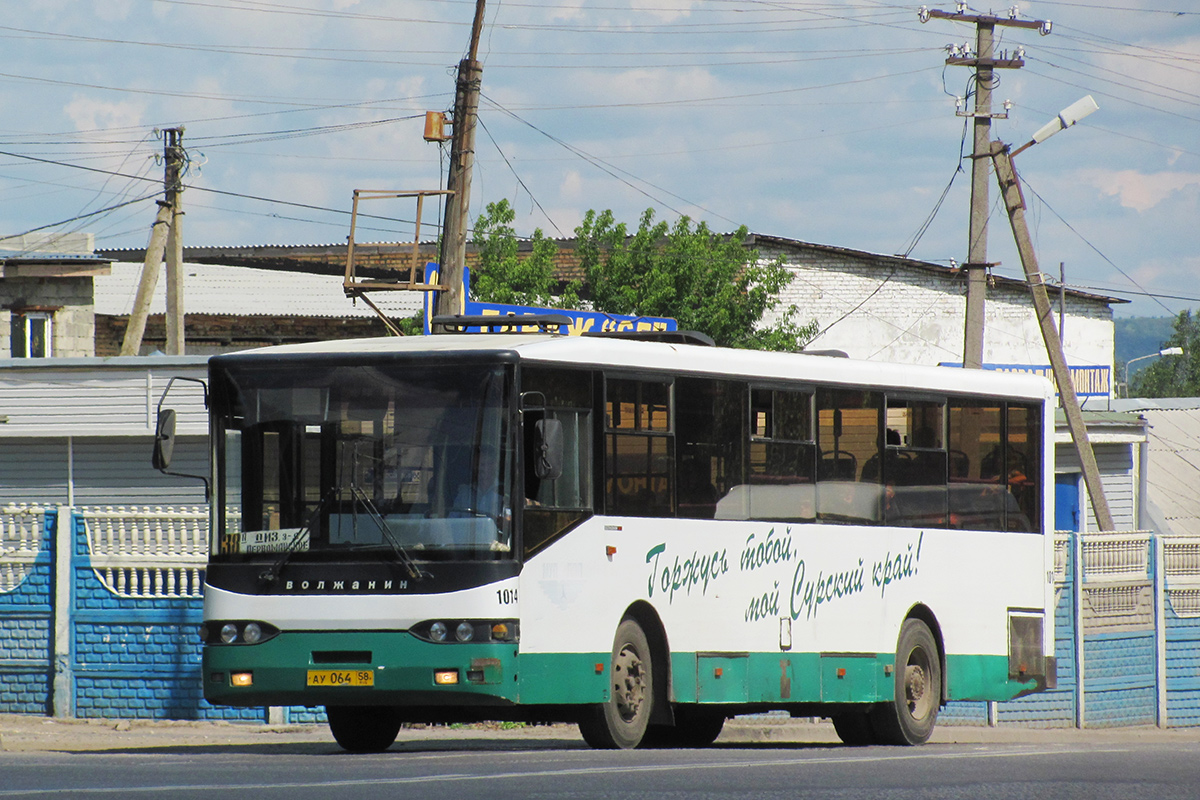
[925, 614]
[660, 649]
[638, 691]
[909, 718]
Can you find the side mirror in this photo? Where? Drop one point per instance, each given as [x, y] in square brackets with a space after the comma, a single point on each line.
[547, 452]
[164, 439]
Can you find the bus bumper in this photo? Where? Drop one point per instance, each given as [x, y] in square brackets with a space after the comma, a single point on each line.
[384, 668]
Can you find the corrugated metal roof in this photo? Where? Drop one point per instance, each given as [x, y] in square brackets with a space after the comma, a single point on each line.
[245, 291]
[22, 256]
[910, 263]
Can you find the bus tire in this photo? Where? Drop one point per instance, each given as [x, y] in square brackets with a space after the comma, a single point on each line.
[621, 722]
[363, 729]
[854, 728]
[910, 718]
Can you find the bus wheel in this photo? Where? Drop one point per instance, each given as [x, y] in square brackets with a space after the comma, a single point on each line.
[910, 718]
[621, 722]
[363, 729]
[854, 728]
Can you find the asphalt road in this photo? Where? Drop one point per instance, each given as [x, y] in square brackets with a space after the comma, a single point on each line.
[41, 758]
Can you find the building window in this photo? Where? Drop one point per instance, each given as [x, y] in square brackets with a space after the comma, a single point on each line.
[31, 334]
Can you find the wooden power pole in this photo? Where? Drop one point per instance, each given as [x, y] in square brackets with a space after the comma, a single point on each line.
[164, 237]
[1010, 189]
[173, 148]
[462, 160]
[985, 63]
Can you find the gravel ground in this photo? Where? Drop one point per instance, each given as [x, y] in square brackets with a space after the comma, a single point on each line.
[28, 734]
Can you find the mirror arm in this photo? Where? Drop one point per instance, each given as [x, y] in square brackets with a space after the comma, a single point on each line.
[159, 410]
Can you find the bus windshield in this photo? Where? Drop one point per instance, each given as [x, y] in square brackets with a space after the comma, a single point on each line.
[317, 461]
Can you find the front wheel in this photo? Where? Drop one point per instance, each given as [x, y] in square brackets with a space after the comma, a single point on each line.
[621, 722]
[909, 719]
[363, 729]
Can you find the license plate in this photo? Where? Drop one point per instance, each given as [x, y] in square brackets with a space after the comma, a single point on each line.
[341, 677]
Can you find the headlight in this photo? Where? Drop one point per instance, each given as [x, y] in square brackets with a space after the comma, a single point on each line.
[237, 632]
[252, 633]
[467, 631]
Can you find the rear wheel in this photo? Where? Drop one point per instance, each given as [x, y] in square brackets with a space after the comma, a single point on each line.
[910, 718]
[621, 723]
[363, 729]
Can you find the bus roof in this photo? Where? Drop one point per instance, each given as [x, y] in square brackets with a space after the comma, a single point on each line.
[633, 355]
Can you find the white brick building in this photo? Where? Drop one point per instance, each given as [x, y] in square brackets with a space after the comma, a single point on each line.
[887, 308]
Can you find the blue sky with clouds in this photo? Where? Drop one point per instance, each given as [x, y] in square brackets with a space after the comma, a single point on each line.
[830, 121]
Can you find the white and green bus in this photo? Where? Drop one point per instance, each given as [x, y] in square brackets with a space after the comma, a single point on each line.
[643, 537]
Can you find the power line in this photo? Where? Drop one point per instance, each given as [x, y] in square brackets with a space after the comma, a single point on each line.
[206, 189]
[610, 169]
[90, 214]
[1095, 249]
[518, 177]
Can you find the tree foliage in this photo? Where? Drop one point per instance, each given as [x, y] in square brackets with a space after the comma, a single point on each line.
[501, 276]
[1173, 376]
[709, 282]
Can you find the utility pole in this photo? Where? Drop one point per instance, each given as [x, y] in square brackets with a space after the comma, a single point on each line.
[462, 159]
[985, 63]
[163, 236]
[1010, 189]
[174, 155]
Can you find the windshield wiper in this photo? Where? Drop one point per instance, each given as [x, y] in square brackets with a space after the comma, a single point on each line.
[271, 573]
[414, 570]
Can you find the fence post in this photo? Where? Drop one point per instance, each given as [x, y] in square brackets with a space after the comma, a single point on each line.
[63, 691]
[1159, 566]
[1077, 623]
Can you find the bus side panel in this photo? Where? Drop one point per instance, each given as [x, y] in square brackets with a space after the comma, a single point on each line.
[775, 613]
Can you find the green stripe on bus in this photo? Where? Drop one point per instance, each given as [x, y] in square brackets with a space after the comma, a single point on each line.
[781, 678]
[402, 664]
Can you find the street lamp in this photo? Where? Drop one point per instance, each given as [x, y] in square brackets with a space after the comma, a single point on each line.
[1168, 351]
[1065, 119]
[1010, 189]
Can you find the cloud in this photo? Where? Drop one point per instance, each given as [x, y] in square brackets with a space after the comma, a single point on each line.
[89, 114]
[113, 10]
[1138, 190]
[665, 10]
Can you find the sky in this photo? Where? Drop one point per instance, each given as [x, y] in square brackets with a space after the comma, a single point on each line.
[826, 121]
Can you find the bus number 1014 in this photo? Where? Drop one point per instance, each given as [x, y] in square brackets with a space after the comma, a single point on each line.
[506, 597]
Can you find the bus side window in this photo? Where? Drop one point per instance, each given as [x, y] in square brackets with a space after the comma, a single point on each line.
[1023, 470]
[553, 505]
[639, 448]
[783, 463]
[978, 498]
[709, 436]
[914, 464]
[848, 437]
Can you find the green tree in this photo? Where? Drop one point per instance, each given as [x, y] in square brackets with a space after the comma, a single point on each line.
[501, 276]
[709, 282]
[1173, 376]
